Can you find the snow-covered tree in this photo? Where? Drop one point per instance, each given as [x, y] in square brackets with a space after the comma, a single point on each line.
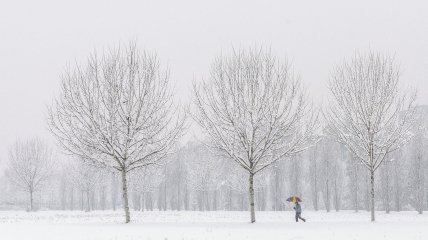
[30, 164]
[253, 111]
[367, 113]
[117, 111]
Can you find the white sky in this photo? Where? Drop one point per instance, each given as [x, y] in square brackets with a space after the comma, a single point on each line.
[38, 38]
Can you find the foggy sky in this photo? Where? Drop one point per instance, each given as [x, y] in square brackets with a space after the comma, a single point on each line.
[39, 38]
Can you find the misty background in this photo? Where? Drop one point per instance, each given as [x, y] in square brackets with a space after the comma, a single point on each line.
[39, 38]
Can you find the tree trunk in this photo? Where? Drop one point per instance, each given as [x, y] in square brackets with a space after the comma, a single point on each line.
[82, 201]
[336, 196]
[315, 181]
[372, 196]
[276, 196]
[186, 198]
[103, 198]
[200, 201]
[88, 206]
[125, 197]
[327, 197]
[214, 200]
[31, 201]
[151, 201]
[143, 201]
[114, 191]
[356, 203]
[92, 201]
[229, 199]
[315, 198]
[397, 187]
[178, 194]
[72, 199]
[207, 200]
[386, 187]
[63, 196]
[164, 195]
[252, 211]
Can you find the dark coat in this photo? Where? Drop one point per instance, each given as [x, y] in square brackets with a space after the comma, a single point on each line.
[298, 208]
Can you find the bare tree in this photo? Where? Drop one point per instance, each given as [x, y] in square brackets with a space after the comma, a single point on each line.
[253, 111]
[368, 114]
[30, 165]
[118, 112]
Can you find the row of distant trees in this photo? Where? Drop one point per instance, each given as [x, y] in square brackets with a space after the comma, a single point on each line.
[117, 113]
[193, 178]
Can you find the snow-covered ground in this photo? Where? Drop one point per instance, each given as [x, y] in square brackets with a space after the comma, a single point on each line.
[108, 225]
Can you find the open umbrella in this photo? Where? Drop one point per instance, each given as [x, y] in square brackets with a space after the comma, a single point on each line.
[294, 199]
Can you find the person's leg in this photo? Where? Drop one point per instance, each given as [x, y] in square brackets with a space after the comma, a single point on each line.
[297, 217]
[304, 220]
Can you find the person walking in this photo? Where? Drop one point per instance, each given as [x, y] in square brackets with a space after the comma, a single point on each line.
[298, 210]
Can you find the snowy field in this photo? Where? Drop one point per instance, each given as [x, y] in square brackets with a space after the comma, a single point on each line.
[51, 225]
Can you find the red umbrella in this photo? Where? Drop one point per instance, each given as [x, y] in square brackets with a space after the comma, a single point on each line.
[294, 199]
